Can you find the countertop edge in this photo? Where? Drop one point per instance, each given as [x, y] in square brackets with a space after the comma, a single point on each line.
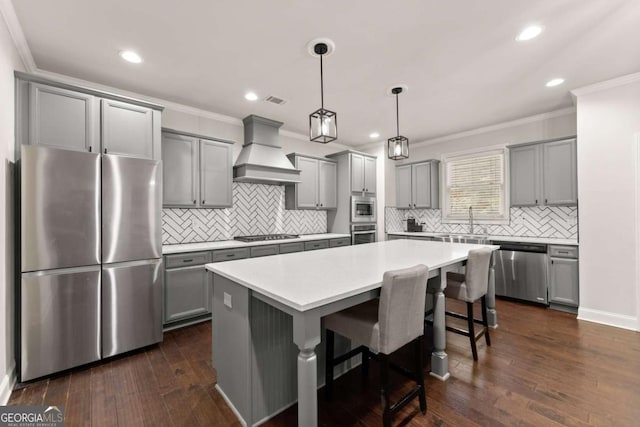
[524, 239]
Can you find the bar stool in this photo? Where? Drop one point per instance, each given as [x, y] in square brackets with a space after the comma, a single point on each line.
[382, 326]
[470, 287]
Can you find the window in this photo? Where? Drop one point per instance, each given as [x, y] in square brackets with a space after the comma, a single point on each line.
[475, 180]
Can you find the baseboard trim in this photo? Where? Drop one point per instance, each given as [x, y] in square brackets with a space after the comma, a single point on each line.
[607, 318]
[6, 386]
[233, 408]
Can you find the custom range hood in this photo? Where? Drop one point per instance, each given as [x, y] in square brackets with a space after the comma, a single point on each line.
[261, 159]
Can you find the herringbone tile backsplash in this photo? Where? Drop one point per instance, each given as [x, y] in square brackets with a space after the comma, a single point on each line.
[544, 221]
[257, 209]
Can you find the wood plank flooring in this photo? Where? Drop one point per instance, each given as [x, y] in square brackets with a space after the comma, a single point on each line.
[544, 368]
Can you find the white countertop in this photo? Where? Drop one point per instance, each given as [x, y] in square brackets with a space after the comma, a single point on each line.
[306, 280]
[541, 240]
[228, 244]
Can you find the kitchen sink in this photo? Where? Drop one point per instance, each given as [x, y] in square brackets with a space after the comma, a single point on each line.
[462, 238]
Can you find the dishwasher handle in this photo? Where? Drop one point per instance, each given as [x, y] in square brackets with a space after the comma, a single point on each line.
[534, 248]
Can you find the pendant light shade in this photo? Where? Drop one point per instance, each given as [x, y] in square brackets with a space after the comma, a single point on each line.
[398, 146]
[323, 123]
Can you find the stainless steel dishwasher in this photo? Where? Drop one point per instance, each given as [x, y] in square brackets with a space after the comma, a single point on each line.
[521, 271]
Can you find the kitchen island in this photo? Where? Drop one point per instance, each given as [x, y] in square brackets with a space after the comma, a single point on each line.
[267, 317]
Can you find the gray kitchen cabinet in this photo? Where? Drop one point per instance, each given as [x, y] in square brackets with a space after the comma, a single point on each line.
[197, 172]
[215, 174]
[127, 129]
[417, 185]
[544, 174]
[287, 248]
[187, 292]
[318, 186]
[180, 170]
[363, 174]
[63, 118]
[525, 175]
[560, 173]
[396, 237]
[563, 282]
[341, 241]
[315, 245]
[266, 250]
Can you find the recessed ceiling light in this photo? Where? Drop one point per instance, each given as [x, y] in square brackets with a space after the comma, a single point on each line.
[555, 82]
[130, 56]
[374, 135]
[531, 32]
[250, 96]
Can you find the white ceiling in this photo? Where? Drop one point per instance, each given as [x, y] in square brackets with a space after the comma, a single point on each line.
[459, 58]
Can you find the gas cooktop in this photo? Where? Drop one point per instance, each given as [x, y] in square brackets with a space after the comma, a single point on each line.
[260, 238]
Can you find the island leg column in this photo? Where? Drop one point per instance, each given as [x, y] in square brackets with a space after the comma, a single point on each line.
[492, 314]
[306, 335]
[439, 358]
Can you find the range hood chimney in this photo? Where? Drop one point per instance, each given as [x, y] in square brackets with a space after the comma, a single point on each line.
[261, 159]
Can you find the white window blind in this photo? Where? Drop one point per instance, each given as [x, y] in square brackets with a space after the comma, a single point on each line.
[478, 181]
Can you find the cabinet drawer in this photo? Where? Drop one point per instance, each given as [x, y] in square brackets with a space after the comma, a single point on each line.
[563, 251]
[343, 241]
[287, 248]
[396, 237]
[230, 254]
[184, 260]
[316, 244]
[264, 251]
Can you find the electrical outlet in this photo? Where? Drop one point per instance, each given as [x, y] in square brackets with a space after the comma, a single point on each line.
[227, 300]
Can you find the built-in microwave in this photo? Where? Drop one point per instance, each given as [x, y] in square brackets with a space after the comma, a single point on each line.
[363, 209]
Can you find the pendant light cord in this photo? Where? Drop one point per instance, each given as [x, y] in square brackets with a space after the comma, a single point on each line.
[397, 117]
[321, 85]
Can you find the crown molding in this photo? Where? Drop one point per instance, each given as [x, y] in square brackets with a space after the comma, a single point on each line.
[15, 30]
[607, 84]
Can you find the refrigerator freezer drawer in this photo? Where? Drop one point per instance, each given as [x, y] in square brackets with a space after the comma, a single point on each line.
[60, 320]
[131, 305]
[60, 208]
[131, 209]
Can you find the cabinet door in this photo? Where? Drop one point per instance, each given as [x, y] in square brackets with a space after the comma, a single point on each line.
[180, 170]
[421, 185]
[563, 282]
[186, 293]
[216, 174]
[560, 176]
[403, 187]
[62, 118]
[328, 185]
[308, 187]
[524, 169]
[127, 129]
[357, 173]
[370, 175]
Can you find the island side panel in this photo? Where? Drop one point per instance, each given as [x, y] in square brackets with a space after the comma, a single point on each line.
[274, 360]
[232, 343]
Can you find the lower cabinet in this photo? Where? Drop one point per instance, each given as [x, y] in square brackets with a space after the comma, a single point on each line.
[186, 293]
[563, 278]
[396, 237]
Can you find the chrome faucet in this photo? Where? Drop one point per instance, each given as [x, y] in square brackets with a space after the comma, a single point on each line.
[470, 219]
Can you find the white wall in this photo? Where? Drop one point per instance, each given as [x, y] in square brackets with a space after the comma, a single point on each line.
[545, 126]
[9, 61]
[608, 118]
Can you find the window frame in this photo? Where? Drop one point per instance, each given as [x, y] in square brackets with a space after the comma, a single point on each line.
[444, 190]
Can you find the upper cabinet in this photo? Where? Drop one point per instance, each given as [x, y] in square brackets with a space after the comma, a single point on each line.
[317, 188]
[62, 118]
[544, 174]
[127, 129]
[82, 119]
[197, 172]
[417, 185]
[363, 174]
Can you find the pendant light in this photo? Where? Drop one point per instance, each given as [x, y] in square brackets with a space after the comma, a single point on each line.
[323, 125]
[398, 145]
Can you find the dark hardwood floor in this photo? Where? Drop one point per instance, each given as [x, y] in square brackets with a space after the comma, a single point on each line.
[544, 368]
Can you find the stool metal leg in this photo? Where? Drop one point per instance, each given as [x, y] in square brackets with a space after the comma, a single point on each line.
[328, 366]
[485, 321]
[472, 333]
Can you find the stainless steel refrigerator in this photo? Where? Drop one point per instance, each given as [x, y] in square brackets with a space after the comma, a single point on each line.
[90, 254]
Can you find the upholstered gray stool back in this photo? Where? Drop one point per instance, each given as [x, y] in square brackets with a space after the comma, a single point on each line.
[477, 273]
[402, 304]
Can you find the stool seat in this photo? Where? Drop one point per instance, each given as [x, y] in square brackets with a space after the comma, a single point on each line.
[359, 323]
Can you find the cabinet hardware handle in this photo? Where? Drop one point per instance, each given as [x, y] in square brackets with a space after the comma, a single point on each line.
[545, 201]
[536, 201]
[321, 204]
[89, 148]
[230, 255]
[194, 202]
[203, 202]
[551, 261]
[563, 252]
[105, 151]
[187, 260]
